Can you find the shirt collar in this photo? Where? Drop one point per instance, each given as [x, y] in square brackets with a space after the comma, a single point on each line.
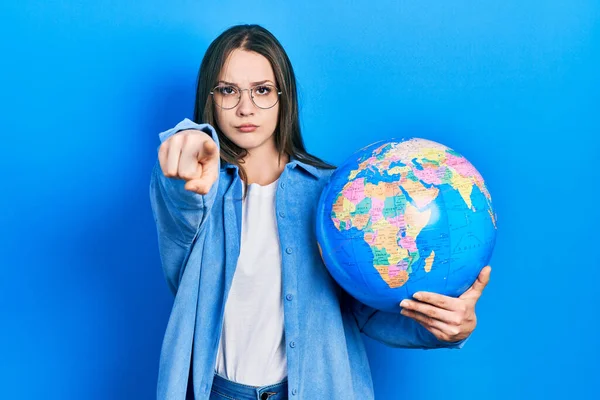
[312, 170]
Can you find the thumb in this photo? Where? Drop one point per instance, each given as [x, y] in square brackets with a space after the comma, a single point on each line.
[201, 185]
[477, 287]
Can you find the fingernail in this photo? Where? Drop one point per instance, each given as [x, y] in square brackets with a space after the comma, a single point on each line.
[404, 303]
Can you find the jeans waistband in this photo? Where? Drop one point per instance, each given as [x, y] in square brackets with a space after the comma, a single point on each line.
[239, 391]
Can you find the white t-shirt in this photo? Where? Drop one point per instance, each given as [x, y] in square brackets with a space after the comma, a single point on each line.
[252, 345]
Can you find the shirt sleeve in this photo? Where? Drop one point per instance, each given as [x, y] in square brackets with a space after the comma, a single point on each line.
[394, 329]
[178, 213]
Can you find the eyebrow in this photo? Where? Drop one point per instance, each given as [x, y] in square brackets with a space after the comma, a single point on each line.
[251, 83]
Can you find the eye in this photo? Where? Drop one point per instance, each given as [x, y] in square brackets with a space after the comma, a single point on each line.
[263, 90]
[227, 90]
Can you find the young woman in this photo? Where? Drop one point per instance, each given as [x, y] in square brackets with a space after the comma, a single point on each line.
[256, 314]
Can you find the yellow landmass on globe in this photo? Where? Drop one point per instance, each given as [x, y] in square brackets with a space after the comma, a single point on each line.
[429, 261]
[464, 187]
[381, 190]
[398, 170]
[432, 154]
[342, 209]
[393, 281]
[420, 194]
[375, 191]
[360, 221]
[387, 238]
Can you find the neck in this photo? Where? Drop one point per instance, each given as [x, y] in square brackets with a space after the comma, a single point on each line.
[263, 165]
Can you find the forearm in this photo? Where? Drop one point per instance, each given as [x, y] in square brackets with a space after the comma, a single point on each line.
[394, 329]
[178, 213]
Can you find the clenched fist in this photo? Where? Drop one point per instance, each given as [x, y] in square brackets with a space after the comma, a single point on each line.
[193, 156]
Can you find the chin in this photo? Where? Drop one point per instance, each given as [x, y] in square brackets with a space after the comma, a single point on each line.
[248, 141]
[244, 142]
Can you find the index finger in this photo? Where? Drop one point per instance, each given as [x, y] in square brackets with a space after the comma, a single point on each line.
[208, 152]
[438, 300]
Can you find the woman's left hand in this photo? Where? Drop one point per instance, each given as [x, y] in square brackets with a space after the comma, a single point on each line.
[450, 319]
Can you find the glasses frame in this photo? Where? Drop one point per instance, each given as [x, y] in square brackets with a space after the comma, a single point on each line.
[240, 90]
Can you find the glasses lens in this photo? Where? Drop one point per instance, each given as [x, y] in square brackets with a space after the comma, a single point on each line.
[226, 96]
[265, 96]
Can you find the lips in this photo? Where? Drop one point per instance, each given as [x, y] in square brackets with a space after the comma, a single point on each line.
[247, 127]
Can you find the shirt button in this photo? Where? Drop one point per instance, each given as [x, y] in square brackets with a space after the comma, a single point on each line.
[294, 391]
[281, 214]
[289, 297]
[292, 344]
[289, 250]
[282, 185]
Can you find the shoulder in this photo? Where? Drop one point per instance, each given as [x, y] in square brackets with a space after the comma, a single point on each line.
[312, 171]
[325, 173]
[307, 182]
[321, 174]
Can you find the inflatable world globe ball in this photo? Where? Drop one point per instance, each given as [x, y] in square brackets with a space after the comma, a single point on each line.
[403, 216]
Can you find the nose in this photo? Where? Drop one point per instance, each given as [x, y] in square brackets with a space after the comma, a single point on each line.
[246, 106]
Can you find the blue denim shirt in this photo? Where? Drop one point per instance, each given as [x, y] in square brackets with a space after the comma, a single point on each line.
[199, 244]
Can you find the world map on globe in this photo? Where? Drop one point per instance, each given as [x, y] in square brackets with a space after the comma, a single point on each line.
[404, 216]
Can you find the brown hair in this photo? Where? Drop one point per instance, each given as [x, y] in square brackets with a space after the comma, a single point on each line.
[288, 138]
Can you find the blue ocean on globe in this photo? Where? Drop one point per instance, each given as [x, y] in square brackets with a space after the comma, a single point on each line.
[402, 216]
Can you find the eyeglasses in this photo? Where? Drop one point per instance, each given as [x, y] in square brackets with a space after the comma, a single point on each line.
[229, 96]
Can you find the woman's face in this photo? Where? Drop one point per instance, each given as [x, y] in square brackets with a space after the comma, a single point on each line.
[246, 69]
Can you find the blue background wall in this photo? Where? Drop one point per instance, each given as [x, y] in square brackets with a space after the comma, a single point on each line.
[87, 85]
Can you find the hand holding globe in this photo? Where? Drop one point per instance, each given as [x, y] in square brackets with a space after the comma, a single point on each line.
[447, 318]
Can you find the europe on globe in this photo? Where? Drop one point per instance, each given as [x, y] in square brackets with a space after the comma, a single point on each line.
[402, 216]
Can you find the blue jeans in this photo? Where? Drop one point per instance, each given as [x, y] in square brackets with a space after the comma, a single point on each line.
[224, 389]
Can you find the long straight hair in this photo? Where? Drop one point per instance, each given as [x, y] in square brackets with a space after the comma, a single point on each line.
[288, 138]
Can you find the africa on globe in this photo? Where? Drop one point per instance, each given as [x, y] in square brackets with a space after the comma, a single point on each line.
[402, 216]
